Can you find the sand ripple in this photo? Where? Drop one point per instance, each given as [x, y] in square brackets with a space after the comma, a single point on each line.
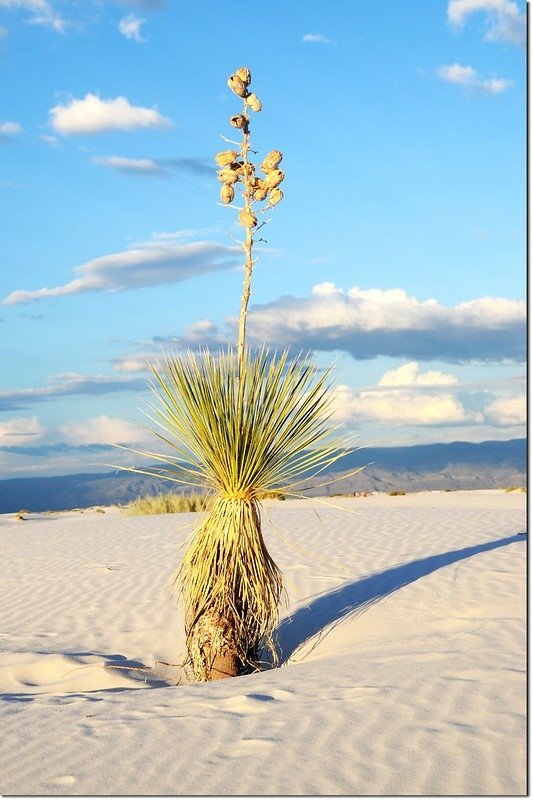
[403, 657]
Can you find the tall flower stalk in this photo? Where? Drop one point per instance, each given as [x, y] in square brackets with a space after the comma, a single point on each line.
[254, 189]
[239, 424]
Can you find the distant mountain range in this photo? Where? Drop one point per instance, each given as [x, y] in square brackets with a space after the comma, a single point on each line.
[457, 465]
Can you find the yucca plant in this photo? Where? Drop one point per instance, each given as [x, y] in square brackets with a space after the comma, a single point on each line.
[239, 424]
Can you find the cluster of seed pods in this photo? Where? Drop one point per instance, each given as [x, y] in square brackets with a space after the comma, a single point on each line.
[235, 167]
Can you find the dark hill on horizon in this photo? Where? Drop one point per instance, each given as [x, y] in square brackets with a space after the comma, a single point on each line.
[455, 465]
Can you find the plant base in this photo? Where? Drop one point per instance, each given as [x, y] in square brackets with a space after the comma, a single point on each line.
[212, 650]
[225, 665]
[231, 589]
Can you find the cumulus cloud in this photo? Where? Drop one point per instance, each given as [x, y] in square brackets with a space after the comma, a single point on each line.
[19, 431]
[469, 78]
[405, 396]
[315, 38]
[367, 324]
[503, 18]
[201, 328]
[133, 362]
[130, 27]
[409, 396]
[101, 430]
[399, 407]
[9, 129]
[374, 322]
[71, 383]
[507, 411]
[157, 262]
[410, 375]
[41, 12]
[94, 115]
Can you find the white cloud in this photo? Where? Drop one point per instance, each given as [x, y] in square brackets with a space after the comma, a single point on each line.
[153, 263]
[150, 167]
[132, 166]
[469, 78]
[201, 328]
[50, 140]
[20, 431]
[130, 27]
[132, 363]
[8, 129]
[417, 404]
[410, 375]
[68, 384]
[315, 38]
[94, 115]
[504, 20]
[146, 5]
[506, 411]
[42, 13]
[373, 322]
[408, 396]
[101, 430]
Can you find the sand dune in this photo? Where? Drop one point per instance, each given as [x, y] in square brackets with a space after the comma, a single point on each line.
[403, 656]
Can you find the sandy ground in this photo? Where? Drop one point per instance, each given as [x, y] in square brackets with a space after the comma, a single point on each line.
[403, 656]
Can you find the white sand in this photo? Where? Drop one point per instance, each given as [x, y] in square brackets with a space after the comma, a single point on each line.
[404, 663]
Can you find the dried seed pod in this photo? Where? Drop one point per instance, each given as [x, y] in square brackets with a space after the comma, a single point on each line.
[227, 193]
[257, 183]
[247, 218]
[226, 157]
[240, 121]
[261, 192]
[228, 176]
[248, 170]
[235, 166]
[236, 85]
[275, 196]
[271, 160]
[244, 74]
[274, 178]
[253, 102]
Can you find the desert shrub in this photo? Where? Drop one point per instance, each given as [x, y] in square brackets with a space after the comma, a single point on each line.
[242, 425]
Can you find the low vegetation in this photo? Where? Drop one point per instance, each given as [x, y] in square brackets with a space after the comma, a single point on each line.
[172, 503]
[169, 503]
[275, 494]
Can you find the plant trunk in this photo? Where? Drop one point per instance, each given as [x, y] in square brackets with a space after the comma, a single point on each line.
[212, 647]
[225, 665]
[231, 589]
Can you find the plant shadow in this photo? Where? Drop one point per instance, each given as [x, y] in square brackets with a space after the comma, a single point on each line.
[325, 611]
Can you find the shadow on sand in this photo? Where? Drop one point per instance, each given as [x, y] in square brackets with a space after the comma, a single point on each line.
[325, 611]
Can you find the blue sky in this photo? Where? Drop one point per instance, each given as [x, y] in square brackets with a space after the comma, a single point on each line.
[397, 253]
